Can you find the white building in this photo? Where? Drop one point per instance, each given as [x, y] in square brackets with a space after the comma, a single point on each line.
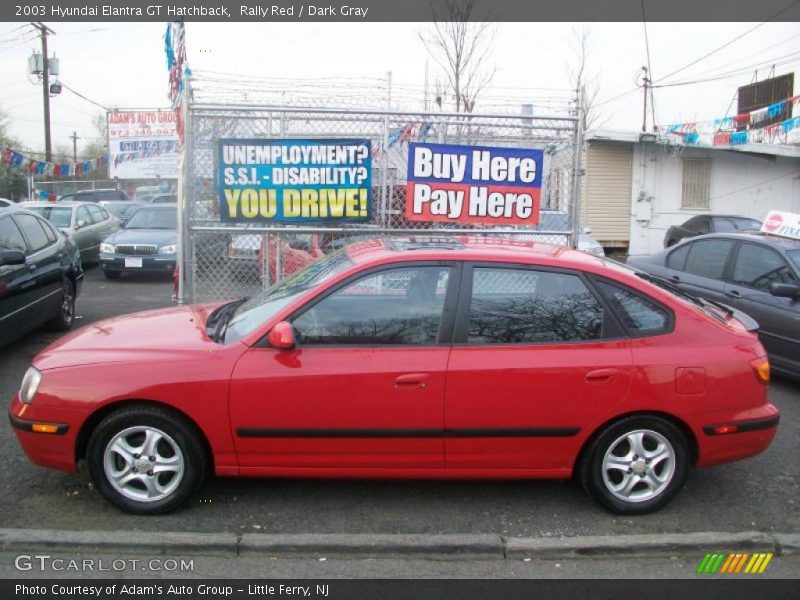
[633, 191]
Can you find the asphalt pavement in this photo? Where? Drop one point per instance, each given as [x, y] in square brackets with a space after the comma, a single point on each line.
[761, 494]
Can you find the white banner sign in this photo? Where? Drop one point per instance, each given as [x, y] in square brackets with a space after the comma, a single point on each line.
[142, 144]
[785, 224]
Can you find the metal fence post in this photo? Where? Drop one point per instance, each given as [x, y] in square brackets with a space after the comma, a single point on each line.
[577, 166]
[184, 202]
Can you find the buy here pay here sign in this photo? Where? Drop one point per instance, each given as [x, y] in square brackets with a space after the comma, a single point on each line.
[473, 184]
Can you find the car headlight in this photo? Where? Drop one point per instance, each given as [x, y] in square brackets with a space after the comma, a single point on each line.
[107, 248]
[30, 385]
[171, 249]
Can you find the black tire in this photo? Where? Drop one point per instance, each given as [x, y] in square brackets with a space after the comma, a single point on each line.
[66, 309]
[177, 432]
[112, 274]
[642, 496]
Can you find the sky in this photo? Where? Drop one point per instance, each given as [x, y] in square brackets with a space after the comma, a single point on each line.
[123, 65]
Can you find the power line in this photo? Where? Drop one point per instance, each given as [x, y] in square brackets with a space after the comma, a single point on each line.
[84, 97]
[728, 43]
[791, 59]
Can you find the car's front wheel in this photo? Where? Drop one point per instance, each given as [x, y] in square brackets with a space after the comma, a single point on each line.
[146, 459]
[636, 466]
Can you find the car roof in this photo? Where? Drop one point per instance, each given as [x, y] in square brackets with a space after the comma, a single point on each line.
[752, 236]
[64, 204]
[469, 247]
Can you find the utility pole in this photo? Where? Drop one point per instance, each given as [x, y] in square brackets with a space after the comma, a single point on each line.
[75, 139]
[645, 81]
[43, 31]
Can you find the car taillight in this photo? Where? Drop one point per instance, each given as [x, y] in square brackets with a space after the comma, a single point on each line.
[761, 370]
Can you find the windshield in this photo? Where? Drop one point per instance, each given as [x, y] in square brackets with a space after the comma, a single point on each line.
[735, 224]
[60, 217]
[251, 314]
[153, 218]
[120, 209]
[794, 256]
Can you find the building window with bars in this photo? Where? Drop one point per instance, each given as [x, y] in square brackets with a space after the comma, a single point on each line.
[696, 185]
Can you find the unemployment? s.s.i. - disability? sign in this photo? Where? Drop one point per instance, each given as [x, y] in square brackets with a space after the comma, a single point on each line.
[263, 180]
[473, 184]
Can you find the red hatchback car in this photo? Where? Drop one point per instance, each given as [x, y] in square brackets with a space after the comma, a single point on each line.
[409, 358]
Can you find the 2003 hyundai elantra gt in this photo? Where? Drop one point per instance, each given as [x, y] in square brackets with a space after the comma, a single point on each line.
[409, 358]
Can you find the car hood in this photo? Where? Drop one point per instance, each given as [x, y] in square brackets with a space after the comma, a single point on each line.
[167, 332]
[158, 237]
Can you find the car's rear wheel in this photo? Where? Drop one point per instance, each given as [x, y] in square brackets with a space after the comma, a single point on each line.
[636, 466]
[146, 459]
[112, 274]
[66, 310]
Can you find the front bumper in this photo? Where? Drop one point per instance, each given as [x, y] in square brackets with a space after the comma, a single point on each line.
[53, 450]
[153, 262]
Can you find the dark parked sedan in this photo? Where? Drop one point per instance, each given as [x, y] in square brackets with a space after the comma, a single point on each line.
[756, 273]
[702, 224]
[148, 242]
[40, 275]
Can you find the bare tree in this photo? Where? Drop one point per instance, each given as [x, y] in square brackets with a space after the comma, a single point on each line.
[461, 49]
[580, 77]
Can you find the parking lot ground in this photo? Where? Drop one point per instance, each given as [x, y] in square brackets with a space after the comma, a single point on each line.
[760, 494]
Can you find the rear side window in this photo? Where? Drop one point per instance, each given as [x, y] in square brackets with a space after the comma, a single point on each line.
[707, 258]
[512, 306]
[34, 231]
[10, 236]
[640, 315]
[97, 214]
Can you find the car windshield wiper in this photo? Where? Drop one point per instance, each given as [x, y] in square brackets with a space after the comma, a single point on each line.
[217, 322]
[671, 287]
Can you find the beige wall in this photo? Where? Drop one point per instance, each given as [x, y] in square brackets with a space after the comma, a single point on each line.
[606, 191]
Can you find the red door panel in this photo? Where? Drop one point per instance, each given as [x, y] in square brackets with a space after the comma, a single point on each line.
[340, 407]
[536, 397]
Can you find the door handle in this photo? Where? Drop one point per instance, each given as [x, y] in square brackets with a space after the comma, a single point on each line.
[412, 380]
[600, 375]
[732, 294]
[675, 278]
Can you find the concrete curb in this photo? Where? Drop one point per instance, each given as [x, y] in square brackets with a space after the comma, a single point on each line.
[473, 546]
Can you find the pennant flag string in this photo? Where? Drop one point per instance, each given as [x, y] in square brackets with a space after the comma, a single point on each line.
[18, 160]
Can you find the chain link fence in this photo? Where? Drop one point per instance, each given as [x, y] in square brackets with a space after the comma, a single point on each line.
[224, 260]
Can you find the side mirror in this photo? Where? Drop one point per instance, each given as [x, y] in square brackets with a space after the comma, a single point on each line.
[12, 257]
[785, 290]
[587, 230]
[281, 336]
[80, 224]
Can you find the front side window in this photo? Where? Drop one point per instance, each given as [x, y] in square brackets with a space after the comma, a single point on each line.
[511, 306]
[395, 306]
[97, 214]
[759, 267]
[82, 214]
[707, 258]
[677, 258]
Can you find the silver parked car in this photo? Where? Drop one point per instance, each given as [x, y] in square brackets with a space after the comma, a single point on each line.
[86, 223]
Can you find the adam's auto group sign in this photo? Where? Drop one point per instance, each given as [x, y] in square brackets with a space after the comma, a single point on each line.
[473, 184]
